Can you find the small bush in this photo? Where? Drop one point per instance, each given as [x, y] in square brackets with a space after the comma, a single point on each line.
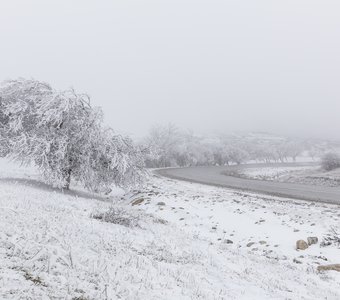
[332, 238]
[36, 280]
[330, 161]
[118, 216]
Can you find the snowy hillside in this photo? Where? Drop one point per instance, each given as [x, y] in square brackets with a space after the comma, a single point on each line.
[173, 240]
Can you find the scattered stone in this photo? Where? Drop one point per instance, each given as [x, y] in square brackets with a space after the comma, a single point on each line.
[161, 203]
[312, 240]
[262, 242]
[160, 221]
[297, 261]
[214, 227]
[228, 241]
[301, 245]
[260, 221]
[313, 224]
[322, 257]
[250, 244]
[137, 201]
[335, 267]
[325, 243]
[181, 219]
[296, 230]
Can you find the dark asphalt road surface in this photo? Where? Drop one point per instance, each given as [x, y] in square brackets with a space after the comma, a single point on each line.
[214, 176]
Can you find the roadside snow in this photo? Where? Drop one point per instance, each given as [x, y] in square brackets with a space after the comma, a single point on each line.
[51, 247]
[310, 175]
[273, 173]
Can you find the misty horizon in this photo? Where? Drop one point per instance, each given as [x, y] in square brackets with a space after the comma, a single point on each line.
[171, 150]
[208, 67]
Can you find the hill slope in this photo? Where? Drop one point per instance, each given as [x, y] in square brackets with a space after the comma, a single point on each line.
[178, 245]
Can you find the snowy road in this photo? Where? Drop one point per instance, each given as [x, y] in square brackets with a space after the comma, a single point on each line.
[214, 176]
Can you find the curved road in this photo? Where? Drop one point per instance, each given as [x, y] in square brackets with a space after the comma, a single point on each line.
[214, 176]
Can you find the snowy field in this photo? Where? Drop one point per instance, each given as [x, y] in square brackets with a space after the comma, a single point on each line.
[274, 173]
[173, 240]
[312, 175]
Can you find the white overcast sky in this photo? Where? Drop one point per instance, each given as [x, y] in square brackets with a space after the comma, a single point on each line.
[206, 65]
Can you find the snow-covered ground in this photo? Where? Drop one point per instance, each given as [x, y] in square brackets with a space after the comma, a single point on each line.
[276, 173]
[187, 241]
[312, 175]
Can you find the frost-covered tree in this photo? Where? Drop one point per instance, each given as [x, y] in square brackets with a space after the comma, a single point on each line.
[62, 134]
[173, 147]
[164, 143]
[112, 159]
[238, 155]
[315, 153]
[294, 149]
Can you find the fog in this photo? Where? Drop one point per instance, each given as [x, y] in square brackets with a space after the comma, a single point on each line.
[208, 66]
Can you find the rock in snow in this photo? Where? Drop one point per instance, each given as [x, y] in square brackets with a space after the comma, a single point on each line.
[312, 240]
[301, 245]
[334, 267]
[228, 241]
[137, 201]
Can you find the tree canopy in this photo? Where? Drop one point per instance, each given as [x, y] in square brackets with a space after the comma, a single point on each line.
[64, 137]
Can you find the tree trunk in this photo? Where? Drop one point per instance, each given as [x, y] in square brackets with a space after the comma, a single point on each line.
[68, 179]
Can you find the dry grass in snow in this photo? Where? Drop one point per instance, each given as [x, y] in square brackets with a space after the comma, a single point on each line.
[64, 246]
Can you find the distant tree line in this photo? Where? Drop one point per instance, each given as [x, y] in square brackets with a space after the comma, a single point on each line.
[171, 147]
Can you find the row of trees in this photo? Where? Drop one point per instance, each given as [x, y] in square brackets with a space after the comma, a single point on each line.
[170, 147]
[63, 135]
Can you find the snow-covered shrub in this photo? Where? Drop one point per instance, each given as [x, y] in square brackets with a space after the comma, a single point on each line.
[118, 216]
[63, 135]
[332, 238]
[330, 161]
